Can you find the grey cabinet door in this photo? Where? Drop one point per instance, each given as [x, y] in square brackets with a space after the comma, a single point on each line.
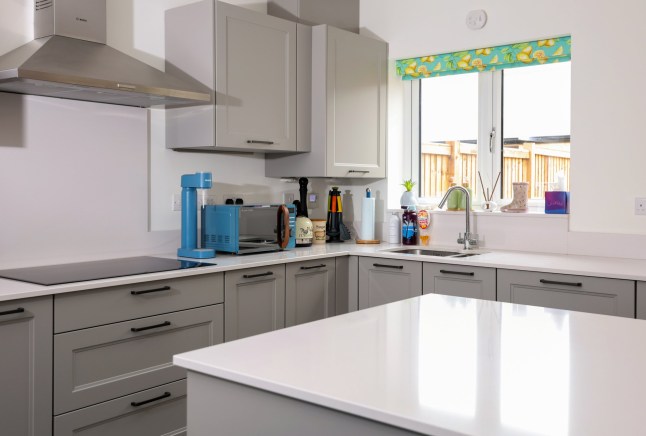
[255, 80]
[348, 109]
[561, 291]
[26, 367]
[254, 301]
[101, 363]
[164, 415]
[459, 281]
[641, 300]
[383, 281]
[356, 78]
[310, 291]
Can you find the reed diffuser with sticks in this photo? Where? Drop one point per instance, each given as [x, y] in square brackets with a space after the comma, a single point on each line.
[488, 205]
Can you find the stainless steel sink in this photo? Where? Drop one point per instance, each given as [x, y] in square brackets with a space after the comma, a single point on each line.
[440, 253]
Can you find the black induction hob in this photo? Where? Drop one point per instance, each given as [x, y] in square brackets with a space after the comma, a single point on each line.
[95, 270]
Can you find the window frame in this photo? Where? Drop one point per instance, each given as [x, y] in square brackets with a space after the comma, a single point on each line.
[490, 118]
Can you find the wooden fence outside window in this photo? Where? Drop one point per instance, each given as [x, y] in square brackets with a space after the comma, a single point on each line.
[530, 162]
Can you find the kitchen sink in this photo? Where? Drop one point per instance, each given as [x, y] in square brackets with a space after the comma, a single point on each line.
[439, 253]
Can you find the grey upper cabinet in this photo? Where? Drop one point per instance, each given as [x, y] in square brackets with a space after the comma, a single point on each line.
[310, 291]
[248, 59]
[383, 281]
[26, 367]
[349, 86]
[254, 301]
[570, 292]
[460, 281]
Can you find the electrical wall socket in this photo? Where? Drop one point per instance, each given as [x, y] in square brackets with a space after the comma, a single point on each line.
[176, 203]
[640, 206]
[207, 200]
[288, 197]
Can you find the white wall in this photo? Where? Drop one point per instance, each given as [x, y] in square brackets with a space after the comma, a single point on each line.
[607, 91]
[79, 180]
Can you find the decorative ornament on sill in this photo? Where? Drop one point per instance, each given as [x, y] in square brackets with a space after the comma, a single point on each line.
[408, 198]
[488, 205]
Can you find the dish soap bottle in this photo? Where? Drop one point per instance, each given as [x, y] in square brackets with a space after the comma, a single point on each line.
[455, 198]
[409, 226]
[394, 229]
[463, 196]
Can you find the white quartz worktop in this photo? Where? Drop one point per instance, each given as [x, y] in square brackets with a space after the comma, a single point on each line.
[444, 366]
[631, 269]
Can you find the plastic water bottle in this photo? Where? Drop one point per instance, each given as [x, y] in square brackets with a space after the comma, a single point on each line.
[394, 229]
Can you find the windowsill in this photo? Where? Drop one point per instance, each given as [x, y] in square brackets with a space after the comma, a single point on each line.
[535, 213]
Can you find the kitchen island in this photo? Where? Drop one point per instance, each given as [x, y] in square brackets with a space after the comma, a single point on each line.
[434, 365]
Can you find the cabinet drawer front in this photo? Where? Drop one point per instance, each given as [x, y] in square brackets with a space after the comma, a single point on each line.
[120, 303]
[101, 363]
[310, 291]
[164, 416]
[560, 291]
[460, 281]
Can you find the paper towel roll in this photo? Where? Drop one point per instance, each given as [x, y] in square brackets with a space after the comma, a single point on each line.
[368, 218]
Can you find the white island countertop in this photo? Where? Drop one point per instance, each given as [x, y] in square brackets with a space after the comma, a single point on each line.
[443, 365]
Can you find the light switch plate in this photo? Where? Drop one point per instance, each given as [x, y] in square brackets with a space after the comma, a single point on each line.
[640, 206]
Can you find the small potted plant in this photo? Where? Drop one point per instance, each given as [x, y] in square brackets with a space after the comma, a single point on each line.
[408, 197]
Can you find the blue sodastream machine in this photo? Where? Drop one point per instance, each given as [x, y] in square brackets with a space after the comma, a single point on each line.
[190, 184]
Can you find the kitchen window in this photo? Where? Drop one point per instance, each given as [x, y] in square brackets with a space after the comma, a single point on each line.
[515, 121]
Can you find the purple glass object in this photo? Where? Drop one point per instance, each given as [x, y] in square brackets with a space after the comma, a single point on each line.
[557, 202]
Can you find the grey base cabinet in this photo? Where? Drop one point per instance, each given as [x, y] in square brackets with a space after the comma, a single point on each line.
[383, 281]
[641, 300]
[101, 363]
[214, 408]
[153, 412]
[254, 301]
[26, 367]
[310, 291]
[569, 292]
[460, 281]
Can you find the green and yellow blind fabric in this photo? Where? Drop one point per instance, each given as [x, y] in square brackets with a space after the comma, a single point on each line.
[544, 51]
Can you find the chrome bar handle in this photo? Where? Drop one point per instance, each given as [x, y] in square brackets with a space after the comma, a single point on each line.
[255, 141]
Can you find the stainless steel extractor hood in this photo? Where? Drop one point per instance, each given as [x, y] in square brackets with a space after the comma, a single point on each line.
[69, 59]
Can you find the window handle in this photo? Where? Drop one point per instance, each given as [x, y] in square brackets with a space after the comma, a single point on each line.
[492, 137]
